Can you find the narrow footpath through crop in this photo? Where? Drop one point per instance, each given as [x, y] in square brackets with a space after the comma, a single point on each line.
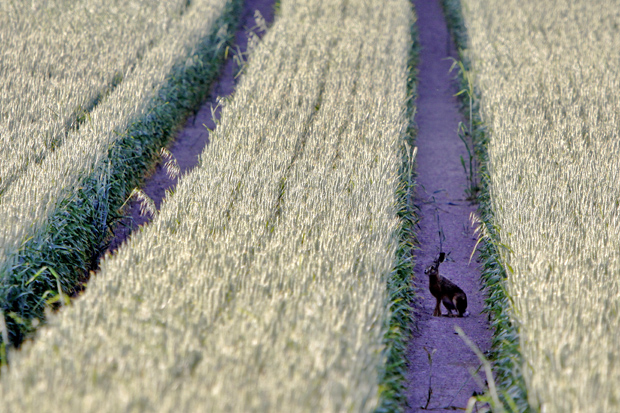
[194, 136]
[440, 362]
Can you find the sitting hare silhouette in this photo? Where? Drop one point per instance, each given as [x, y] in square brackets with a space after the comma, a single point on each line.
[444, 290]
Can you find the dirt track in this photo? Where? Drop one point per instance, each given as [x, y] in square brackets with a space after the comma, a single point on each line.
[441, 194]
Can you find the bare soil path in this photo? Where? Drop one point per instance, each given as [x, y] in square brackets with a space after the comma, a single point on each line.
[441, 199]
[194, 136]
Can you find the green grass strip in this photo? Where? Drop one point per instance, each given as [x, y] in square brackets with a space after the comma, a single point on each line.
[506, 353]
[402, 296]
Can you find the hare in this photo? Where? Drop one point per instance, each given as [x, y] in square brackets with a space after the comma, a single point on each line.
[445, 291]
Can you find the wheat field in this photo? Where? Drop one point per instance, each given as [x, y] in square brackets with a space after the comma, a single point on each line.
[59, 59]
[37, 191]
[66, 183]
[547, 77]
[262, 283]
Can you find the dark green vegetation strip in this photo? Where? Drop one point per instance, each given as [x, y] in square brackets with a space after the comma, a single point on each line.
[77, 232]
[506, 352]
[402, 297]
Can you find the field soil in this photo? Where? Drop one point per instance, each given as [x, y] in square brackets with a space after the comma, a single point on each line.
[194, 136]
[440, 362]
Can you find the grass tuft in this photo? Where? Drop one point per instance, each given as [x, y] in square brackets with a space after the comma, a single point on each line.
[505, 348]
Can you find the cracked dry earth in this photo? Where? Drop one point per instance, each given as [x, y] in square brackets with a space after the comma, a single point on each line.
[441, 198]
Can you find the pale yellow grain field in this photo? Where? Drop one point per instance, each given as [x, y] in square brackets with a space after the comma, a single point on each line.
[549, 80]
[261, 284]
[58, 59]
[34, 179]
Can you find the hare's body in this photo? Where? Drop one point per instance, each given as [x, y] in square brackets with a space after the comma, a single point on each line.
[445, 291]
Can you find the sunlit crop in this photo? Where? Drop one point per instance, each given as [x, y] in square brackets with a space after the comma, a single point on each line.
[92, 91]
[36, 190]
[58, 60]
[262, 283]
[548, 82]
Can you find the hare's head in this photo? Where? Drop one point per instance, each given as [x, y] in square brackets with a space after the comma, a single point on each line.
[434, 267]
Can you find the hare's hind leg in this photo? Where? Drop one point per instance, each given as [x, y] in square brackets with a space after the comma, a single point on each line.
[437, 312]
[460, 302]
[449, 306]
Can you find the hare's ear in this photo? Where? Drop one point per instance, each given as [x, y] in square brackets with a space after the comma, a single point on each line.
[442, 256]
